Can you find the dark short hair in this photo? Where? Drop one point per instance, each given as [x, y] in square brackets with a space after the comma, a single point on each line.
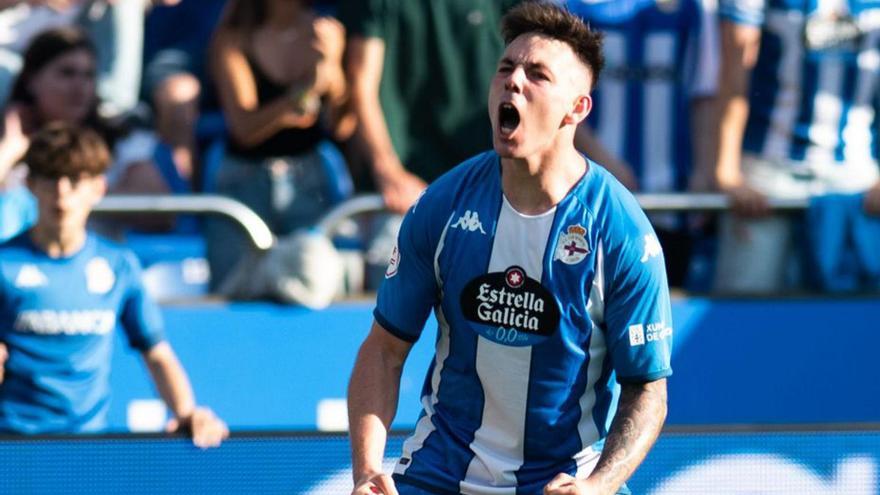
[42, 50]
[65, 150]
[553, 21]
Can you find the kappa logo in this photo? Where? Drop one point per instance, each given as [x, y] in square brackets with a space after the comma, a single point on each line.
[99, 276]
[470, 222]
[652, 248]
[572, 247]
[29, 277]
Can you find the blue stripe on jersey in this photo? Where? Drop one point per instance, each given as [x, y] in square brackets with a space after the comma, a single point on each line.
[763, 90]
[544, 447]
[848, 92]
[635, 54]
[447, 445]
[800, 138]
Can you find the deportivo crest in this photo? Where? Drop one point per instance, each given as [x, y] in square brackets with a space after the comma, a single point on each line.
[510, 308]
[572, 247]
[99, 276]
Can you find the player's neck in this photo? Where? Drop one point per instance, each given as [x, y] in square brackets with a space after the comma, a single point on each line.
[535, 184]
[58, 242]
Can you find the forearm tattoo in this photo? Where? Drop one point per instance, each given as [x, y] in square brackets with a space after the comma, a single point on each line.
[639, 419]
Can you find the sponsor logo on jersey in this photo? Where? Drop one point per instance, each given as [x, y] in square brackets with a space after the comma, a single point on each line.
[572, 247]
[636, 335]
[29, 277]
[654, 332]
[99, 276]
[510, 308]
[393, 263]
[51, 322]
[652, 248]
[469, 222]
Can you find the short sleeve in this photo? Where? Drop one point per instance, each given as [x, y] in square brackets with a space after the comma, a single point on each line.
[638, 316]
[410, 289]
[140, 317]
[747, 12]
[363, 17]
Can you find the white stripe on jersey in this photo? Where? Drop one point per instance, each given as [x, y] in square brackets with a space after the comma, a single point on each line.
[504, 370]
[589, 433]
[611, 128]
[827, 111]
[659, 98]
[787, 104]
[425, 425]
[857, 132]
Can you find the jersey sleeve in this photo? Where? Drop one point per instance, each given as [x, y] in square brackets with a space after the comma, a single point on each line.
[363, 17]
[747, 12]
[410, 289]
[638, 316]
[140, 316]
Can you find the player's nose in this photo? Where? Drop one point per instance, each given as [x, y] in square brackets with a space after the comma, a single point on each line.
[514, 80]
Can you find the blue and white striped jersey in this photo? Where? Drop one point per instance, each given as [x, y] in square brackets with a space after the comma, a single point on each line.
[659, 55]
[814, 93]
[539, 319]
[57, 318]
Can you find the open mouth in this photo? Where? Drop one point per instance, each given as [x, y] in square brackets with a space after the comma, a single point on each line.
[508, 118]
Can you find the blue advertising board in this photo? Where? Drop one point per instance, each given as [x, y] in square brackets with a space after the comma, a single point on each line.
[265, 366]
[712, 462]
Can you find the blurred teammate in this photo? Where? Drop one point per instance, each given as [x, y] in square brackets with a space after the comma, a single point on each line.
[63, 292]
[550, 291]
[799, 107]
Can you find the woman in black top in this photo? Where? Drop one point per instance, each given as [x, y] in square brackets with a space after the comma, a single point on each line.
[278, 70]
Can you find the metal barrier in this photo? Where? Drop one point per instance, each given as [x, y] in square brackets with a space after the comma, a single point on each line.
[263, 239]
[200, 204]
[677, 202]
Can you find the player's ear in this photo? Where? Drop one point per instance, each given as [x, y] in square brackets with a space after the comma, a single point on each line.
[582, 106]
[99, 188]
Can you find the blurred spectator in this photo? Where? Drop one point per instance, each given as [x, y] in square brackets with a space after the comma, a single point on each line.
[419, 72]
[57, 83]
[177, 84]
[63, 293]
[652, 117]
[278, 71]
[115, 27]
[799, 105]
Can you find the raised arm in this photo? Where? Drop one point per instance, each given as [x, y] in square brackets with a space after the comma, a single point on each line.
[173, 385]
[250, 120]
[372, 403]
[641, 412]
[399, 188]
[739, 51]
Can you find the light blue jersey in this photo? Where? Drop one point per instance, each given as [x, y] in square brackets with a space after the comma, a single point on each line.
[659, 56]
[539, 319]
[57, 318]
[813, 95]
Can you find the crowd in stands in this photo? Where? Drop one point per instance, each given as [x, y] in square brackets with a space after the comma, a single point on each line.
[293, 106]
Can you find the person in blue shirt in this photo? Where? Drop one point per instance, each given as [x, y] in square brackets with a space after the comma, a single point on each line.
[64, 291]
[798, 119]
[549, 287]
